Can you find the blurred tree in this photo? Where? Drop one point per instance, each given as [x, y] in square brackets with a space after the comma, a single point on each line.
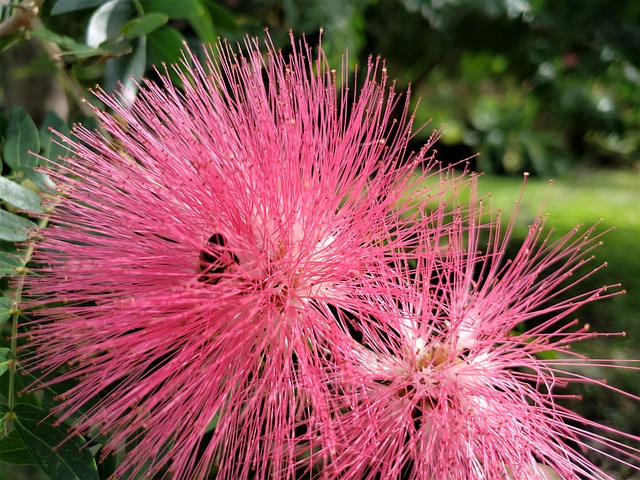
[534, 85]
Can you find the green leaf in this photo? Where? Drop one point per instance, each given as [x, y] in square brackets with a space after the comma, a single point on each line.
[144, 25]
[221, 17]
[128, 70]
[165, 45]
[547, 355]
[6, 309]
[107, 21]
[14, 228]
[19, 197]
[79, 50]
[20, 385]
[9, 263]
[21, 139]
[48, 139]
[50, 148]
[39, 179]
[50, 389]
[173, 9]
[107, 465]
[6, 357]
[13, 450]
[60, 457]
[204, 28]
[65, 6]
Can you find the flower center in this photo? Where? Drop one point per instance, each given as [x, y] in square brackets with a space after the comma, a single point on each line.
[216, 259]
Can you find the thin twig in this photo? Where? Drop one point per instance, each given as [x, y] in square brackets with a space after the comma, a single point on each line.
[24, 12]
[75, 91]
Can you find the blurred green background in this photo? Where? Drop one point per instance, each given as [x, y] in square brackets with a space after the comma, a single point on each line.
[544, 86]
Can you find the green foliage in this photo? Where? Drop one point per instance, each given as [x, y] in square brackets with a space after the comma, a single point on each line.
[65, 6]
[14, 228]
[59, 457]
[27, 434]
[607, 198]
[14, 451]
[6, 357]
[534, 86]
[73, 50]
[6, 309]
[186, 9]
[144, 25]
[10, 264]
[120, 40]
[50, 147]
[19, 196]
[21, 141]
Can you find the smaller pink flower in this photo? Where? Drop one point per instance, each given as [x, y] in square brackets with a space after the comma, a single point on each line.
[444, 386]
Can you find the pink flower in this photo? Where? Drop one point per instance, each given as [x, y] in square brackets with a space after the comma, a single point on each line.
[245, 276]
[203, 255]
[447, 385]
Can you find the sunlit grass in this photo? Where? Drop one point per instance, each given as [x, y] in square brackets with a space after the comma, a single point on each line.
[613, 196]
[609, 197]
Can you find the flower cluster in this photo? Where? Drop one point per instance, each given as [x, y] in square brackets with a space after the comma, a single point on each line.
[250, 275]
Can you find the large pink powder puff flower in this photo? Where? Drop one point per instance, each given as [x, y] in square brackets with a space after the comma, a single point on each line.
[203, 252]
[462, 375]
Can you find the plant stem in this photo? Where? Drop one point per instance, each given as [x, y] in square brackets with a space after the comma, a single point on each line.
[17, 298]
